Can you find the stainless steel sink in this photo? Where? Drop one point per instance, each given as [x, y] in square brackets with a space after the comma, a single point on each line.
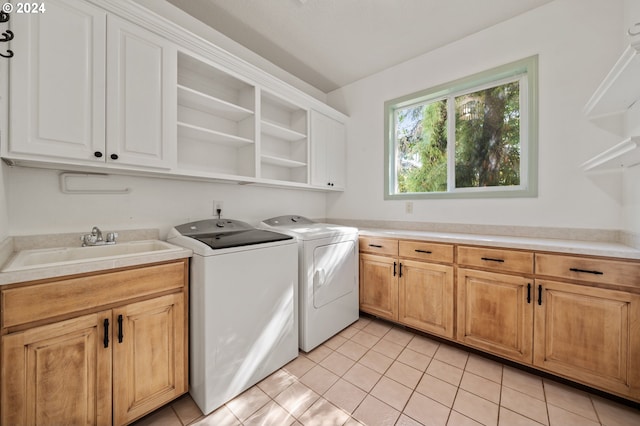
[28, 259]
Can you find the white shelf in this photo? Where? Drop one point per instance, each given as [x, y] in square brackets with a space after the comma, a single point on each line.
[624, 154]
[278, 131]
[200, 101]
[191, 131]
[621, 87]
[281, 162]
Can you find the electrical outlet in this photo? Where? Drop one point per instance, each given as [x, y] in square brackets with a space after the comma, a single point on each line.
[408, 207]
[217, 208]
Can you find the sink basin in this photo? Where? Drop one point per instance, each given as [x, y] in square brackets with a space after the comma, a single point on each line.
[28, 259]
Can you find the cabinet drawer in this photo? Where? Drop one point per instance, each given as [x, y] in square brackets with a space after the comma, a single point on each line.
[379, 246]
[38, 302]
[603, 271]
[426, 251]
[496, 259]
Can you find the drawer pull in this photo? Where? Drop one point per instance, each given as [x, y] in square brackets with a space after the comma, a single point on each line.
[539, 295]
[528, 292]
[375, 245]
[423, 251]
[490, 259]
[106, 333]
[120, 336]
[586, 271]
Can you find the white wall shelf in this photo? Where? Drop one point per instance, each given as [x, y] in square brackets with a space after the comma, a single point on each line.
[621, 87]
[280, 132]
[190, 131]
[282, 162]
[625, 154]
[200, 101]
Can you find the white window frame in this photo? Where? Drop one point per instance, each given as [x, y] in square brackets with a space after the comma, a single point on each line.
[525, 72]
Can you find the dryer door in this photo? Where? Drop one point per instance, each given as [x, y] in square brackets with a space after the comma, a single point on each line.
[334, 275]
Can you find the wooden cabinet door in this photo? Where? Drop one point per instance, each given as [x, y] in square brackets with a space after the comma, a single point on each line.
[589, 334]
[425, 297]
[149, 367]
[57, 87]
[379, 286]
[495, 313]
[58, 373]
[142, 97]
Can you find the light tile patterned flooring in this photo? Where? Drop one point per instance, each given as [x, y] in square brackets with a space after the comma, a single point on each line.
[374, 373]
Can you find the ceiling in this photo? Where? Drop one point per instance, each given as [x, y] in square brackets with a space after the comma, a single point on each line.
[331, 43]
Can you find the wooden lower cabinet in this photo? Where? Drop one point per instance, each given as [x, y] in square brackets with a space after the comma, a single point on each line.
[379, 286]
[107, 367]
[589, 334]
[425, 297]
[574, 316]
[149, 359]
[416, 294]
[58, 373]
[495, 313]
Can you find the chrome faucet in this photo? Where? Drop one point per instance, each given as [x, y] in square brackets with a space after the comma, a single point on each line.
[95, 238]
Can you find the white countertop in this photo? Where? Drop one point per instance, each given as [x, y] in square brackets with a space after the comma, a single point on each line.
[593, 248]
[84, 266]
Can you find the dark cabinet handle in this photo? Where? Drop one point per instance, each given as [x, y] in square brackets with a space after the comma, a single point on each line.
[489, 259]
[106, 333]
[528, 292]
[422, 251]
[539, 295]
[97, 154]
[400, 274]
[586, 271]
[394, 269]
[375, 245]
[120, 336]
[114, 156]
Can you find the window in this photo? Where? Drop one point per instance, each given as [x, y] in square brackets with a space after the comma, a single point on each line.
[474, 137]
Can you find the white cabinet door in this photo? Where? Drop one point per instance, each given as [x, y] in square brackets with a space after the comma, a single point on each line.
[57, 80]
[141, 97]
[328, 141]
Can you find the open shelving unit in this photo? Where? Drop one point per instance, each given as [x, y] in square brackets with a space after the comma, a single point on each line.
[216, 120]
[624, 154]
[284, 142]
[612, 101]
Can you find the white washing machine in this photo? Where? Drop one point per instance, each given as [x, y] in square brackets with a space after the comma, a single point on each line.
[243, 306]
[328, 276]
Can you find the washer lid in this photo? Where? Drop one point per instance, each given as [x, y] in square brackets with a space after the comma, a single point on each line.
[222, 240]
[227, 233]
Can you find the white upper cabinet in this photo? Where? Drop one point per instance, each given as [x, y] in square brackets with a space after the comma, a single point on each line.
[141, 96]
[328, 144]
[82, 93]
[57, 82]
[108, 85]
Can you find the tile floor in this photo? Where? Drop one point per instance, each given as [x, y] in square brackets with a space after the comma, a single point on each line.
[373, 373]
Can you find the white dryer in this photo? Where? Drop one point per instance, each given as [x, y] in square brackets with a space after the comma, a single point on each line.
[328, 276]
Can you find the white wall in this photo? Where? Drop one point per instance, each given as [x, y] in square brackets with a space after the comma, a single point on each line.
[37, 206]
[631, 178]
[577, 41]
[4, 212]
